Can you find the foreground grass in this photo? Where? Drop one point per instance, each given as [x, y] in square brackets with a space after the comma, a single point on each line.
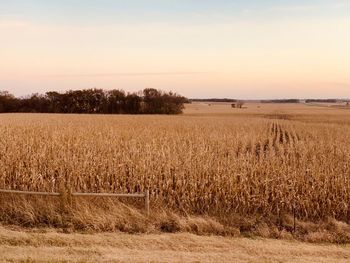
[19, 245]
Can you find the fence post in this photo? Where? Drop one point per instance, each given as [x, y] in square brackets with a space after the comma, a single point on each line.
[147, 201]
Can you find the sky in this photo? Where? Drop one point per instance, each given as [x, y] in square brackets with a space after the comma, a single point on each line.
[258, 49]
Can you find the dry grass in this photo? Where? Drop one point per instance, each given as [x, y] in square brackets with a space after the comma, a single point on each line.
[46, 245]
[263, 164]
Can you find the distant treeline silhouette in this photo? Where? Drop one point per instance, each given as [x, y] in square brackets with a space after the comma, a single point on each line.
[147, 101]
[214, 100]
[321, 100]
[281, 101]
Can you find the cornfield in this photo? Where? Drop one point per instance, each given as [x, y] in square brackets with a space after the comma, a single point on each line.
[216, 165]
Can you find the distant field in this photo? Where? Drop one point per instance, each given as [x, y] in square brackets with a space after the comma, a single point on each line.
[267, 108]
[274, 170]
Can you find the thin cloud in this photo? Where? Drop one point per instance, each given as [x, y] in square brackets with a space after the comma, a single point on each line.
[341, 4]
[13, 23]
[125, 74]
[297, 8]
[342, 85]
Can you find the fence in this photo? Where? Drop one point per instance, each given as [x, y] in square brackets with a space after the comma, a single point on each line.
[144, 195]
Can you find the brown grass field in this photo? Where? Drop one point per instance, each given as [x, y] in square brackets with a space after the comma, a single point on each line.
[47, 245]
[268, 170]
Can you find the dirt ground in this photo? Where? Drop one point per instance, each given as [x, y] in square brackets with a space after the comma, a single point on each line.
[19, 245]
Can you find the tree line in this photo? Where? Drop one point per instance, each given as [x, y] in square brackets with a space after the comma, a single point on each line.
[214, 100]
[321, 100]
[147, 101]
[281, 101]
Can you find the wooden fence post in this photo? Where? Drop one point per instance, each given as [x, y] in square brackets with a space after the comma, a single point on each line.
[147, 201]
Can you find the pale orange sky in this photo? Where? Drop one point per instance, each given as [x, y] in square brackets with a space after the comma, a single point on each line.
[273, 51]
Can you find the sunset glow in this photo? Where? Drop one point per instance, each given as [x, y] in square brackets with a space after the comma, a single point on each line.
[264, 49]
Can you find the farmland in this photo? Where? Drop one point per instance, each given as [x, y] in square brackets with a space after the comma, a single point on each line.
[267, 170]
